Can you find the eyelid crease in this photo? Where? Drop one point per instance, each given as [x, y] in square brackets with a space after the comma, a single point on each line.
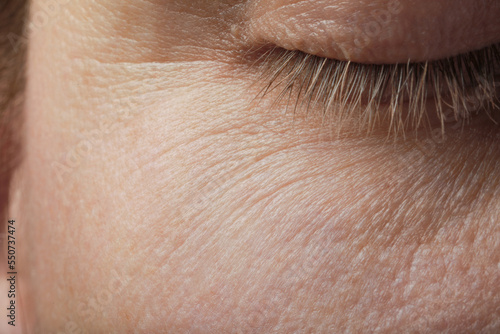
[399, 94]
[379, 32]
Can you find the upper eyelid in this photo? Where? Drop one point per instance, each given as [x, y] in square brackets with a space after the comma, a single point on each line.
[330, 28]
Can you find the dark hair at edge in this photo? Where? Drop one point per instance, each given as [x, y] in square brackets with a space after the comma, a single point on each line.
[13, 14]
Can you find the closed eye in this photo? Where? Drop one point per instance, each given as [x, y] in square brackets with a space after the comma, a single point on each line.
[406, 96]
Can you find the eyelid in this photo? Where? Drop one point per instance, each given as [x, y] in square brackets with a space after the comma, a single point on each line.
[379, 32]
[404, 95]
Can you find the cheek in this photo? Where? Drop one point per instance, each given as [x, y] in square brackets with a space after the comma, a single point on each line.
[171, 208]
[172, 221]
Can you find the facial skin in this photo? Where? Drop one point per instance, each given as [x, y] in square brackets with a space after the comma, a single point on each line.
[383, 31]
[155, 197]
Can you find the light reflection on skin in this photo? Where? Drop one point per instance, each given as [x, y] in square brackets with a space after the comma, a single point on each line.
[199, 212]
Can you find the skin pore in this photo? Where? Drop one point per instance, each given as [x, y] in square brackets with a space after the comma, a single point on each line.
[156, 196]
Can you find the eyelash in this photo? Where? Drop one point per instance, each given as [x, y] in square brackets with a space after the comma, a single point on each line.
[464, 83]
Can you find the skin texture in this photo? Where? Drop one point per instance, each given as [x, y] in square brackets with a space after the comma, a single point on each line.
[156, 197]
[382, 31]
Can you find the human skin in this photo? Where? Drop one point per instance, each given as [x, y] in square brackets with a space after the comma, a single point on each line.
[384, 31]
[157, 197]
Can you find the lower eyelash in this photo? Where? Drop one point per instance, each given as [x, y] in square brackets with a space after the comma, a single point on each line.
[399, 92]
